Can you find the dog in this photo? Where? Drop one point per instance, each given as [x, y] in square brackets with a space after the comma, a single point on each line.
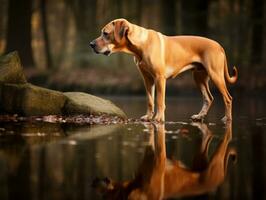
[160, 57]
[162, 178]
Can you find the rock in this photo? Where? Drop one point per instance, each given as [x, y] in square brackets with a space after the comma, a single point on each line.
[19, 97]
[82, 103]
[29, 100]
[11, 70]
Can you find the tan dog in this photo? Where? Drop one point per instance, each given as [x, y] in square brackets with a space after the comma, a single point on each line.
[160, 57]
[162, 178]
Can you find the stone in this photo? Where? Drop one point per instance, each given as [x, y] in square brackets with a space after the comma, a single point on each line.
[30, 100]
[82, 103]
[11, 70]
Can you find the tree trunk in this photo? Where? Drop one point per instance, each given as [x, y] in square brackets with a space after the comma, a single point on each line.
[49, 62]
[82, 11]
[257, 31]
[19, 30]
[194, 14]
[169, 17]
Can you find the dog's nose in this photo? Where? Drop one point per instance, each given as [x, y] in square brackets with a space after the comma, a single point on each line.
[92, 44]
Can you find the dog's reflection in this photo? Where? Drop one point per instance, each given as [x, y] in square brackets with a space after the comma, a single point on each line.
[161, 178]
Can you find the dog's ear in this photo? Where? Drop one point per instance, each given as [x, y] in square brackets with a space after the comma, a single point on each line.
[120, 30]
[102, 185]
[136, 34]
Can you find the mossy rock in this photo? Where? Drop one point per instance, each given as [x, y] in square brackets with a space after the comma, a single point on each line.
[82, 103]
[19, 97]
[30, 100]
[11, 70]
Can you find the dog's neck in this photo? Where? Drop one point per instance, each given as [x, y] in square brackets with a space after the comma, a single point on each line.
[136, 43]
[135, 51]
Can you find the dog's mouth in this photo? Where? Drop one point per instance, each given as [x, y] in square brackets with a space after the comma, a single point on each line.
[107, 52]
[97, 52]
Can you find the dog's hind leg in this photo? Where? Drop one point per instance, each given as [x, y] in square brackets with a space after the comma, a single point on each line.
[202, 81]
[226, 97]
[216, 73]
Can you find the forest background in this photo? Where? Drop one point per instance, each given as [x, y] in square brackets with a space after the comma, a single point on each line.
[52, 38]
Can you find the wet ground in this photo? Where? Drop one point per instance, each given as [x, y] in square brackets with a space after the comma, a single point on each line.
[209, 160]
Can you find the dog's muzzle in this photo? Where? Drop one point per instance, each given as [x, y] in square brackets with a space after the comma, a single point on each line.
[107, 52]
[93, 45]
[95, 49]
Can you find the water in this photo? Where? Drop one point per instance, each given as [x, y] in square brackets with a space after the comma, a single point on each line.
[62, 161]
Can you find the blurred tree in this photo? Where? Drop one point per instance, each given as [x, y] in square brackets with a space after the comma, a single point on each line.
[169, 17]
[84, 12]
[139, 5]
[257, 31]
[194, 14]
[3, 18]
[65, 46]
[19, 30]
[48, 56]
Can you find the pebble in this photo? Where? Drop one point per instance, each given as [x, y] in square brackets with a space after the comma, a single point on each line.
[174, 137]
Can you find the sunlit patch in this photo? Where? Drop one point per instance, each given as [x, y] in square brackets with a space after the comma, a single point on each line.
[72, 142]
[145, 130]
[212, 124]
[169, 132]
[261, 121]
[174, 137]
[183, 123]
[177, 131]
[125, 143]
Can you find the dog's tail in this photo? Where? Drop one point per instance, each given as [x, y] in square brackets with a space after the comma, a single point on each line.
[230, 79]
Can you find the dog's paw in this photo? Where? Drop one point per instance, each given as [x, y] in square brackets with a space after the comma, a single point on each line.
[198, 117]
[159, 118]
[146, 117]
[226, 119]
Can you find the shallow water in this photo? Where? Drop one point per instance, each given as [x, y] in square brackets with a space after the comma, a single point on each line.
[61, 161]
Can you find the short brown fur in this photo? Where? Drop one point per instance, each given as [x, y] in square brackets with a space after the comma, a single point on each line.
[162, 178]
[160, 57]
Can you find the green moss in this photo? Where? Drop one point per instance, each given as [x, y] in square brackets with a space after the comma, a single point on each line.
[27, 99]
[19, 97]
[82, 103]
[11, 70]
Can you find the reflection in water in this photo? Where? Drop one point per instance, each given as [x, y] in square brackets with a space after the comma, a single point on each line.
[160, 178]
[60, 161]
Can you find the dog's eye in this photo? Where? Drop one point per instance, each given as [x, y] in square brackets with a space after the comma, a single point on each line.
[105, 34]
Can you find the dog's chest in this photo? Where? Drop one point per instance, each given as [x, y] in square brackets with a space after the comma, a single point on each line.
[143, 66]
[147, 68]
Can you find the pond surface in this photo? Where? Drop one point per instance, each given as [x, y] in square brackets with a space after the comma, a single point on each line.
[183, 159]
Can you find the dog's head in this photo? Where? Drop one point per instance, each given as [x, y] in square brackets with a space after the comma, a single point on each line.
[110, 189]
[112, 38]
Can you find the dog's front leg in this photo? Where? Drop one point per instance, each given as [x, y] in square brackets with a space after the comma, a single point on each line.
[149, 86]
[160, 82]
